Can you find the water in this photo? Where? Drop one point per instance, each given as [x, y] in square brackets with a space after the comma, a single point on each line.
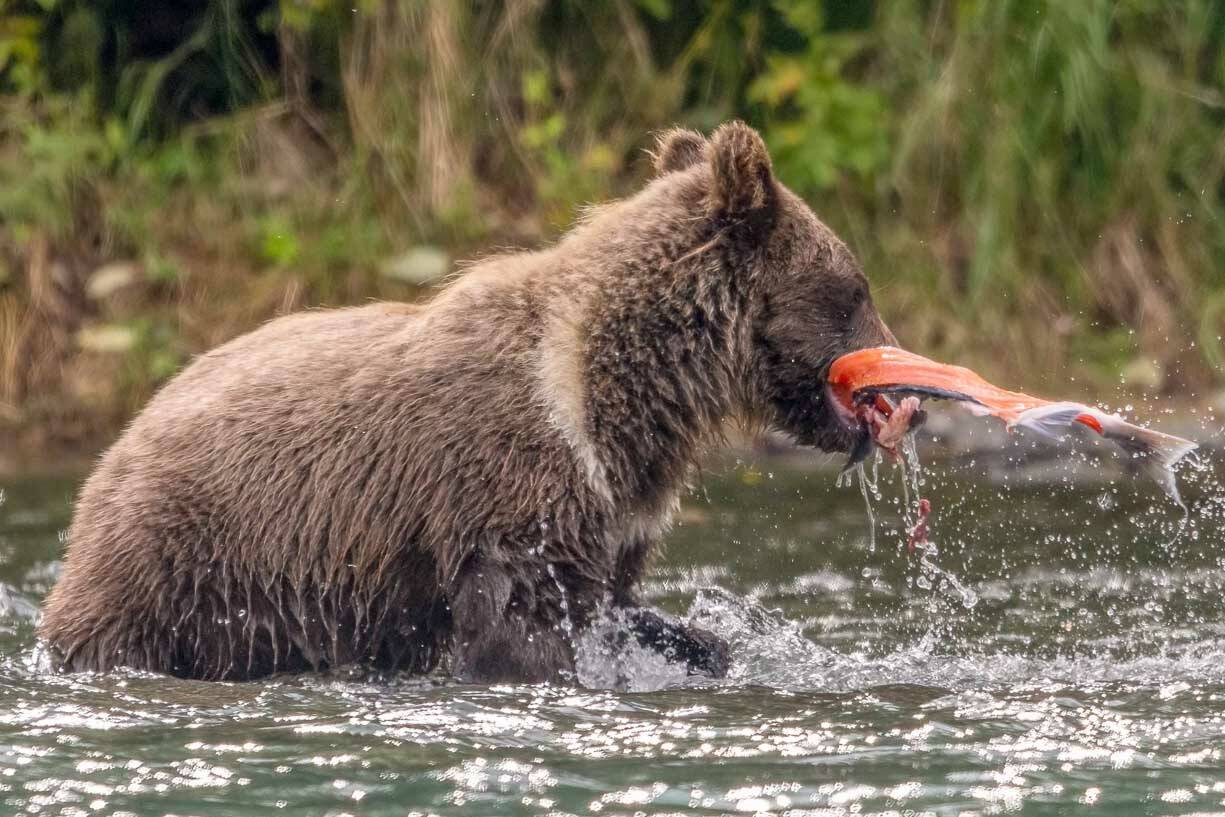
[1088, 677]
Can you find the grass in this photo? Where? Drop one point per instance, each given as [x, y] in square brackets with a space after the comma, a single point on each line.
[1036, 188]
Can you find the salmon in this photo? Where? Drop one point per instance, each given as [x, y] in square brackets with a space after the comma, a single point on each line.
[863, 385]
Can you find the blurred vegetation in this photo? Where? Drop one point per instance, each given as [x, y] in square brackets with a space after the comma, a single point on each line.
[1036, 188]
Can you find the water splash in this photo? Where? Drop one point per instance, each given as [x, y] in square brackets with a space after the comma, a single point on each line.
[771, 650]
[867, 503]
[910, 470]
[15, 605]
[868, 488]
[608, 656]
[933, 575]
[912, 480]
[567, 626]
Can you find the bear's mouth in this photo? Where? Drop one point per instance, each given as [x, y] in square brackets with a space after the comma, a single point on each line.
[826, 427]
[875, 420]
[846, 417]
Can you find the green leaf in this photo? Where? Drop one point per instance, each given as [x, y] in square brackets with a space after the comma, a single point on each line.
[279, 244]
[803, 15]
[536, 87]
[659, 9]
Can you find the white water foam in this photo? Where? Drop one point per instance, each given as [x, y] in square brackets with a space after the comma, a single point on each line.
[608, 656]
[769, 650]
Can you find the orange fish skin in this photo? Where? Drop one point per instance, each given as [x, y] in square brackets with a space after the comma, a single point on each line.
[889, 368]
[883, 366]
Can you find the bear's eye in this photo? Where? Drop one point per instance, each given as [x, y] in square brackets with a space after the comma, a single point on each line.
[855, 294]
[848, 300]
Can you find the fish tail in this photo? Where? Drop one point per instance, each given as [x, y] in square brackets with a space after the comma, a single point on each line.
[1160, 448]
[1159, 451]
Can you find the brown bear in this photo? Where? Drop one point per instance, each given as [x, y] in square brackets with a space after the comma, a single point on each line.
[469, 482]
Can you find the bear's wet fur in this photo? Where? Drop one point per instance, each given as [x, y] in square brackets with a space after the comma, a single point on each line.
[471, 481]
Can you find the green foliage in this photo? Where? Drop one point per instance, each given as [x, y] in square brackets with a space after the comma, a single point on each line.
[278, 244]
[565, 181]
[1031, 184]
[156, 354]
[45, 154]
[1067, 155]
[821, 126]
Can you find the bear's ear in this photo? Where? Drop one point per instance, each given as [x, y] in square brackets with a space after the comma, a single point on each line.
[741, 179]
[677, 149]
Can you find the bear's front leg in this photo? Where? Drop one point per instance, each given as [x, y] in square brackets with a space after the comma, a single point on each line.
[703, 651]
[503, 631]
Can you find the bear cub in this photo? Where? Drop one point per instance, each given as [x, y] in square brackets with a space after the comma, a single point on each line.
[469, 483]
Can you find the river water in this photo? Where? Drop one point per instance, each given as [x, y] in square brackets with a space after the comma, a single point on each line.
[1080, 668]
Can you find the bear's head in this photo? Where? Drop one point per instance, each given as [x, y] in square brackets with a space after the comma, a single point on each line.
[808, 301]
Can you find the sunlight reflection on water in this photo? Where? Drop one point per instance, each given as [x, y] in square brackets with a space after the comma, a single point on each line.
[1089, 675]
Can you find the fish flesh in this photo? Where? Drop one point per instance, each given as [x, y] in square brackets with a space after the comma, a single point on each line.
[917, 535]
[864, 384]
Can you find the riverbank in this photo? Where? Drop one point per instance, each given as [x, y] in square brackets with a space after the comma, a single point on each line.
[84, 346]
[171, 178]
[950, 435]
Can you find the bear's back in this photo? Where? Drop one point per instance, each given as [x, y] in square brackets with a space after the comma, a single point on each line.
[290, 499]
